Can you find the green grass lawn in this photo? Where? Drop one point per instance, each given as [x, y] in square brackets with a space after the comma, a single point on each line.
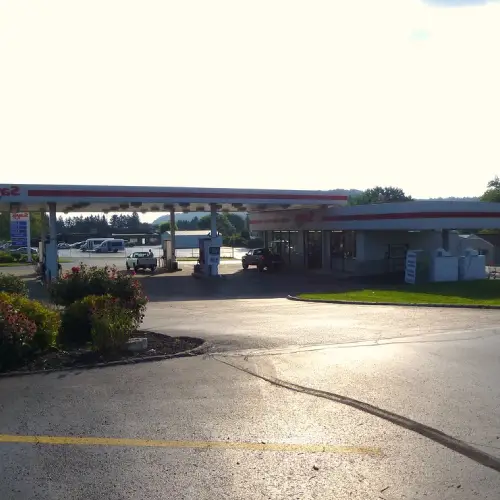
[195, 259]
[17, 264]
[481, 292]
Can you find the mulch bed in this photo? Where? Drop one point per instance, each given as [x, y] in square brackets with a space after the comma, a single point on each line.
[158, 345]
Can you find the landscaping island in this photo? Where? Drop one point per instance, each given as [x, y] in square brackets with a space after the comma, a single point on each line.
[93, 320]
[467, 293]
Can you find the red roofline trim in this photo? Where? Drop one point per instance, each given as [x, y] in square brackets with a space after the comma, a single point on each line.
[80, 193]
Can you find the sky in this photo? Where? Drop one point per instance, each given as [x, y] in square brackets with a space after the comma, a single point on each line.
[282, 94]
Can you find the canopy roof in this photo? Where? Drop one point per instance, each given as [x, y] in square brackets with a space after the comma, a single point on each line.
[22, 197]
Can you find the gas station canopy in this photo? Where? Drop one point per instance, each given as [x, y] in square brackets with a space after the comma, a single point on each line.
[23, 197]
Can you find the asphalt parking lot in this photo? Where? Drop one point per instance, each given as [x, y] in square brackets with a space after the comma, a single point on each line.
[221, 426]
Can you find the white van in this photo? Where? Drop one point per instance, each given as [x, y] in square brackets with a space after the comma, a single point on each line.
[91, 244]
[110, 245]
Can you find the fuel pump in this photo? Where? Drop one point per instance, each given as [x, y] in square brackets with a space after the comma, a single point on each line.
[209, 255]
[51, 261]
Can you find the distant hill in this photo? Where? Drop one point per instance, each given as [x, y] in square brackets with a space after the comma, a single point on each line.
[189, 216]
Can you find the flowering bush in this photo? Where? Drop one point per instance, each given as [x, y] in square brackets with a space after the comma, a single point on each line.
[83, 281]
[13, 284]
[16, 333]
[47, 321]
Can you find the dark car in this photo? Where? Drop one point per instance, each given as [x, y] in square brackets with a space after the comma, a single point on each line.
[263, 258]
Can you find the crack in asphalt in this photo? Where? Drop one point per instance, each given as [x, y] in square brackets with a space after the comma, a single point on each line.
[347, 345]
[431, 433]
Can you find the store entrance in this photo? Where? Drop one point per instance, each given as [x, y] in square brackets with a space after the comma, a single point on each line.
[313, 245]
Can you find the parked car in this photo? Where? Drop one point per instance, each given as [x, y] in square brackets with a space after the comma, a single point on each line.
[141, 260]
[63, 246]
[77, 244]
[263, 258]
[34, 251]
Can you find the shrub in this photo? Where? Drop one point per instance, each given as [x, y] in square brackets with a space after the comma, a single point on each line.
[46, 320]
[13, 284]
[111, 324]
[83, 281]
[16, 333]
[16, 256]
[100, 319]
[75, 324]
[6, 258]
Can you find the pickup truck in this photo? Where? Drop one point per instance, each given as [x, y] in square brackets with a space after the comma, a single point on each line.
[141, 260]
[263, 258]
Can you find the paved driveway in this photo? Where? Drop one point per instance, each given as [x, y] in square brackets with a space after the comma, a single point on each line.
[213, 427]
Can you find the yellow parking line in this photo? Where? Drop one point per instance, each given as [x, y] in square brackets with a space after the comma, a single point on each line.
[221, 445]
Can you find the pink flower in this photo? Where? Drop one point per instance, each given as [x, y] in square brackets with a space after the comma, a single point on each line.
[75, 270]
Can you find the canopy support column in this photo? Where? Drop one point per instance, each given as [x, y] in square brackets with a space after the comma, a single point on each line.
[51, 264]
[214, 268]
[172, 232]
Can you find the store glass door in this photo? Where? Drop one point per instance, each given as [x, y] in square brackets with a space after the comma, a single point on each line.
[314, 253]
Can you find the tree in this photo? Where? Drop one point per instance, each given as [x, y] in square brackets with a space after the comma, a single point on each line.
[188, 225]
[165, 226]
[99, 225]
[237, 221]
[224, 225]
[492, 194]
[36, 223]
[380, 194]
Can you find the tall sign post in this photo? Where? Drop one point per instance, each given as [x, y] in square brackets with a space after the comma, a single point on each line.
[20, 231]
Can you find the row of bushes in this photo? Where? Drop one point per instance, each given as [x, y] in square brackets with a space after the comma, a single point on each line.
[90, 305]
[13, 257]
[26, 326]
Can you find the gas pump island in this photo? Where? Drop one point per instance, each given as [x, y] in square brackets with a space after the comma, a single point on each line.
[209, 256]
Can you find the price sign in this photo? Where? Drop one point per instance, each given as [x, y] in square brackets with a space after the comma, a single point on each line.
[19, 229]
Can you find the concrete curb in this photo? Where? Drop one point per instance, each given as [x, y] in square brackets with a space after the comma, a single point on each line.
[400, 304]
[146, 359]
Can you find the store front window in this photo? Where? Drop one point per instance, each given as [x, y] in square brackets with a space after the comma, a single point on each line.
[296, 249]
[342, 249]
[313, 244]
[280, 245]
